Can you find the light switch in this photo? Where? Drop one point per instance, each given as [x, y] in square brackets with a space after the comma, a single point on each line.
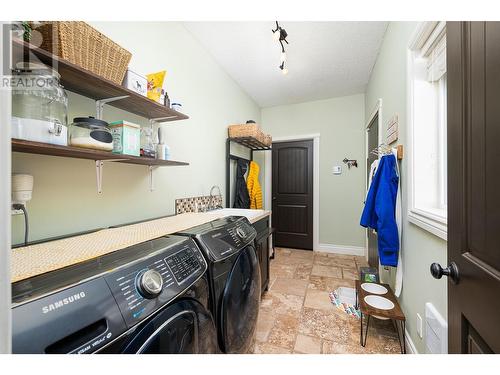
[337, 169]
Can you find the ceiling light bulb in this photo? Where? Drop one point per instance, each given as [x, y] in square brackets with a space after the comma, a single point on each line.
[276, 35]
[283, 57]
[284, 71]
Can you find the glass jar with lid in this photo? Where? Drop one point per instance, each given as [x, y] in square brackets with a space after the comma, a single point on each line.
[89, 132]
[39, 104]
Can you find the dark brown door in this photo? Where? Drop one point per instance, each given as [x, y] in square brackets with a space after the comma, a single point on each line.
[473, 68]
[372, 144]
[293, 194]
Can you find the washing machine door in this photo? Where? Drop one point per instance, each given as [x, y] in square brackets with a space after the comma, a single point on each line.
[240, 303]
[185, 327]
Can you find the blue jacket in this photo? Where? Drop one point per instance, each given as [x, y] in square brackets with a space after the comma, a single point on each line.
[380, 210]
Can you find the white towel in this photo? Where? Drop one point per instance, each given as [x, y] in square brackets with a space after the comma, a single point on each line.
[399, 222]
[373, 169]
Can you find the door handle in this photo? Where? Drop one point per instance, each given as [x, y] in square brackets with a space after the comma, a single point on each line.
[274, 198]
[452, 271]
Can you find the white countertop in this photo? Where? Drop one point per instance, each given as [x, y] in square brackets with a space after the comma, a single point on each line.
[252, 215]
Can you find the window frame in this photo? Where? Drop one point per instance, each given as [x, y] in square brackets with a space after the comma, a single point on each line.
[424, 36]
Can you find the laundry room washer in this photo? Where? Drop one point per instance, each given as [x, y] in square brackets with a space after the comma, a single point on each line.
[148, 298]
[234, 275]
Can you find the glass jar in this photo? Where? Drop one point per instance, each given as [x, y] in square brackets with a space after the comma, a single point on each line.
[148, 147]
[89, 132]
[38, 95]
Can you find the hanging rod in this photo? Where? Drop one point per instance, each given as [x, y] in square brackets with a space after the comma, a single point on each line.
[236, 158]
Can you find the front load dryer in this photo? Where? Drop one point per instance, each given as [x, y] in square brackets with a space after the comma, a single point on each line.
[234, 275]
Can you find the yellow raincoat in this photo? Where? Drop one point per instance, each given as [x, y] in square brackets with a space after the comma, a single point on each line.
[253, 185]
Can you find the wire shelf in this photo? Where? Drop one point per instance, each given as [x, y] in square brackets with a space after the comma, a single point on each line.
[251, 143]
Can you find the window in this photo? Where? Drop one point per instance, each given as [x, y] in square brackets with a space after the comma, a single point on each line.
[427, 128]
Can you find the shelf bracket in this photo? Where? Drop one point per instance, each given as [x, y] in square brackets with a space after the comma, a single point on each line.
[99, 104]
[99, 165]
[158, 120]
[151, 168]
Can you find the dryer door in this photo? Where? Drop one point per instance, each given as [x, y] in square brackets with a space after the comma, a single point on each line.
[240, 303]
[185, 327]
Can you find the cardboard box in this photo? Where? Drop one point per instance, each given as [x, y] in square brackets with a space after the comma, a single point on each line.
[126, 138]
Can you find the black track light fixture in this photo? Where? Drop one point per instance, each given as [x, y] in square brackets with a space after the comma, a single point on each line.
[280, 35]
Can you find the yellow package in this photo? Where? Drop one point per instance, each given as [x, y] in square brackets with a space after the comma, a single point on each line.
[155, 85]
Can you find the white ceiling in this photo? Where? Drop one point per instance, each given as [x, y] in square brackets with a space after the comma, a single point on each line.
[324, 59]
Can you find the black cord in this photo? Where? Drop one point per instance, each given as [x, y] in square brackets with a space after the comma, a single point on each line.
[26, 225]
[22, 207]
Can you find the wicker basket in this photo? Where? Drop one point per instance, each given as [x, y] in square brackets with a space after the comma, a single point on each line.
[261, 137]
[244, 130]
[250, 130]
[268, 140]
[81, 44]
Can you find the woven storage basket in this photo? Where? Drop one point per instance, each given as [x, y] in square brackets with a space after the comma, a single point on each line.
[81, 44]
[268, 140]
[261, 137]
[244, 130]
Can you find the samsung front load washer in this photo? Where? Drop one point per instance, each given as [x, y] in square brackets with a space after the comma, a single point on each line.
[148, 298]
[234, 275]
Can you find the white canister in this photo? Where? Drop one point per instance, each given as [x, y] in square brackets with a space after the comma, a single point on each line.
[161, 151]
[167, 152]
[176, 107]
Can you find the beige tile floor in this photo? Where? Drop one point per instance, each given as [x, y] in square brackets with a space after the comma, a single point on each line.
[296, 315]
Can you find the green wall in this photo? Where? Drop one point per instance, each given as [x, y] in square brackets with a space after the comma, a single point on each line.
[64, 196]
[340, 123]
[420, 248]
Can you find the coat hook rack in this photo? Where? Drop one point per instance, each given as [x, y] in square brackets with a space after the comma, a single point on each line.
[384, 149]
[350, 163]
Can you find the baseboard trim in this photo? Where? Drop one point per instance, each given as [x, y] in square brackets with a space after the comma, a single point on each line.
[340, 249]
[410, 346]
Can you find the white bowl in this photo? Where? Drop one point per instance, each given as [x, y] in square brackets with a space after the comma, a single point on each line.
[374, 288]
[380, 303]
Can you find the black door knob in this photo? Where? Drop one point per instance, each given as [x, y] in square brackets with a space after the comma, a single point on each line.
[452, 271]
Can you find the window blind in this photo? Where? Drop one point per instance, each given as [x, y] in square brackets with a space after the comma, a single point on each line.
[436, 60]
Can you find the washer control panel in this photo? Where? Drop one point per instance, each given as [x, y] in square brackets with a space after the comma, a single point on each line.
[183, 264]
[142, 288]
[224, 242]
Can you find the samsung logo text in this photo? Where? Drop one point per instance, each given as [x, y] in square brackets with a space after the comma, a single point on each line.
[61, 303]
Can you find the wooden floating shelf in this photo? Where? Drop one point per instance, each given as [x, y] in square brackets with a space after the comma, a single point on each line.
[38, 148]
[251, 143]
[86, 83]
